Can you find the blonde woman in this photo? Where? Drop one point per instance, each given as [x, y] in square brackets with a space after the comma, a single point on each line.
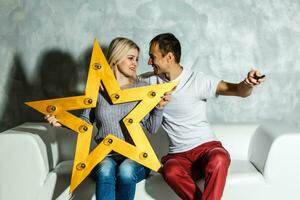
[116, 176]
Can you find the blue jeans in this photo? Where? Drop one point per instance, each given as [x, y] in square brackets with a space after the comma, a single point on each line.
[117, 179]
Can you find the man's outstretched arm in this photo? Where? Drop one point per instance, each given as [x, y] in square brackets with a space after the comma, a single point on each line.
[242, 89]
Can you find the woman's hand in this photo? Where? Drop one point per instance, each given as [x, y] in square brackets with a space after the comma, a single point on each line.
[52, 120]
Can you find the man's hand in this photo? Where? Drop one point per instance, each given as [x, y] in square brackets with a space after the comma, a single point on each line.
[254, 78]
[164, 100]
[52, 120]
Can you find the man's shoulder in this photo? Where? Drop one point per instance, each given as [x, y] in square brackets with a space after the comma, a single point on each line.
[190, 75]
[150, 78]
[202, 75]
[195, 72]
[141, 83]
[147, 75]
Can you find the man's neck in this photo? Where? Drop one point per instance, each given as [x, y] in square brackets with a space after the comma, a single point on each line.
[174, 72]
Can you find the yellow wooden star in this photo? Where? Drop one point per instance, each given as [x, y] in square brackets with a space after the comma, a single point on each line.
[101, 73]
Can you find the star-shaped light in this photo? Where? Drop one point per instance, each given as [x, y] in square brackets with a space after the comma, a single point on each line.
[101, 73]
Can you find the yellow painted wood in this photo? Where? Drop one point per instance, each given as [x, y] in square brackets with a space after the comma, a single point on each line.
[100, 72]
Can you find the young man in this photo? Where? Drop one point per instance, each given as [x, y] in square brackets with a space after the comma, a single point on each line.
[194, 150]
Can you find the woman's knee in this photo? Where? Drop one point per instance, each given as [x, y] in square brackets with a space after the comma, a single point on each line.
[131, 172]
[106, 169]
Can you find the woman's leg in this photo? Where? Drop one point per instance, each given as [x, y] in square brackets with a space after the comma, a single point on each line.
[105, 176]
[128, 175]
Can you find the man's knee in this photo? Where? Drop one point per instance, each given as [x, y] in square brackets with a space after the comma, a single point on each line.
[219, 157]
[171, 171]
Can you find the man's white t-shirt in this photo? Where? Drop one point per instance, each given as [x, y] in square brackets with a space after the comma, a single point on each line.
[184, 118]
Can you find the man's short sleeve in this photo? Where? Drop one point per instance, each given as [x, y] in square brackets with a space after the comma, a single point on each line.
[206, 85]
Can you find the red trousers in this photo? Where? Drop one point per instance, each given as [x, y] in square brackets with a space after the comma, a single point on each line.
[209, 161]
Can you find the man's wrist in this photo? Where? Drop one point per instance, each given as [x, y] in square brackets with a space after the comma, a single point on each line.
[244, 88]
[246, 83]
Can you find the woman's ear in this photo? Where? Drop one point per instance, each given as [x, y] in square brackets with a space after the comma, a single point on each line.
[114, 66]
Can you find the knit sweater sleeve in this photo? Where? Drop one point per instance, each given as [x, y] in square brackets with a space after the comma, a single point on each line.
[88, 115]
[153, 121]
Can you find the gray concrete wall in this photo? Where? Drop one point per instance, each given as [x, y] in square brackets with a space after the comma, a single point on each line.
[45, 48]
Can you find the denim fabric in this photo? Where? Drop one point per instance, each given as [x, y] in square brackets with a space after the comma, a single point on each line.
[117, 179]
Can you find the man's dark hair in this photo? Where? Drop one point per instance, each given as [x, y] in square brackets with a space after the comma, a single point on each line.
[167, 42]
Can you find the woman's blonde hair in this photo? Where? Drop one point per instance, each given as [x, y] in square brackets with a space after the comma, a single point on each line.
[118, 49]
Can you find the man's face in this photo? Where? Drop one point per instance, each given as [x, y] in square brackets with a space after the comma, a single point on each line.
[157, 60]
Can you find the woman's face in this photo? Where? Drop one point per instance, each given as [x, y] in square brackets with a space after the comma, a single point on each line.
[128, 65]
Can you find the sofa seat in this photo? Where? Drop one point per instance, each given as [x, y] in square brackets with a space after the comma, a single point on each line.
[36, 163]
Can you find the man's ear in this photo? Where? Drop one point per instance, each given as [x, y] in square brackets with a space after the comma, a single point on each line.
[170, 57]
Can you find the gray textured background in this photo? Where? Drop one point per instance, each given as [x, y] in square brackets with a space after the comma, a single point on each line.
[45, 48]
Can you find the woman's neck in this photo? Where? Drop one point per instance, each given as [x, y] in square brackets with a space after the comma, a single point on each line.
[125, 81]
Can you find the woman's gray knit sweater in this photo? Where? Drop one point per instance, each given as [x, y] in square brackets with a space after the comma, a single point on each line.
[108, 117]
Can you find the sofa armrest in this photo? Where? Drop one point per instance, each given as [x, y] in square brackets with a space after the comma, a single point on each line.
[23, 167]
[275, 152]
[59, 142]
[235, 137]
[28, 153]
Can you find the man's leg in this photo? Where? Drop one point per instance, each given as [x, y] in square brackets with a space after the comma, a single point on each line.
[177, 173]
[214, 162]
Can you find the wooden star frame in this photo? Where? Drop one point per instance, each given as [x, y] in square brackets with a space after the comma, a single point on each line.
[101, 73]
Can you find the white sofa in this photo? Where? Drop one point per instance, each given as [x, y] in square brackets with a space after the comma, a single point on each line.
[36, 162]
